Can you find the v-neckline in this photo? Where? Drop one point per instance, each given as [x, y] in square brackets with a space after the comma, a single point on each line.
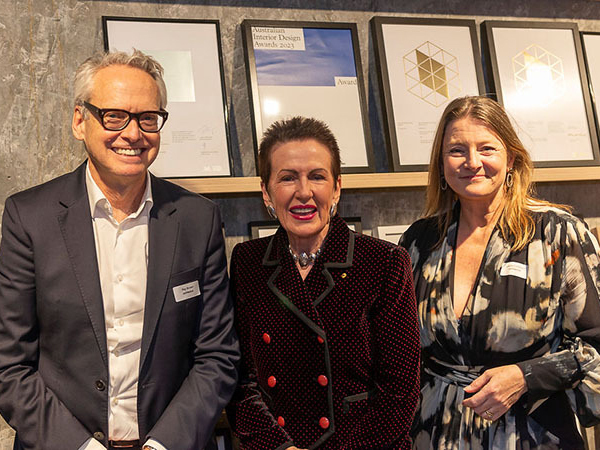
[471, 297]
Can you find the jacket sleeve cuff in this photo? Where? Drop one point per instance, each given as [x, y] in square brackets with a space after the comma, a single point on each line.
[155, 444]
[92, 444]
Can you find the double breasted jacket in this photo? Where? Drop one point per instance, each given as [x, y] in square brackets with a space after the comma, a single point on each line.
[329, 362]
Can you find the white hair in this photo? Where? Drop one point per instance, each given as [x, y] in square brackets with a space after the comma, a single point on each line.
[84, 76]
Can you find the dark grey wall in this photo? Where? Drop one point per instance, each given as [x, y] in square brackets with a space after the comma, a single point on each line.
[43, 41]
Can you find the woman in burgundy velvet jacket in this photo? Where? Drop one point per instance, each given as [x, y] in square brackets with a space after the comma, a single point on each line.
[326, 317]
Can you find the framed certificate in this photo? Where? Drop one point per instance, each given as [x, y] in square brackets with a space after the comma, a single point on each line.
[390, 233]
[195, 139]
[262, 228]
[309, 69]
[591, 53]
[538, 75]
[423, 64]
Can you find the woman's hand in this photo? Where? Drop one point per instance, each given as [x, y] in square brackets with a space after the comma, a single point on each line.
[495, 391]
[296, 448]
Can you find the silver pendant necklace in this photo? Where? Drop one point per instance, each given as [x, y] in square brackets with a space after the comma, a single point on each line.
[304, 259]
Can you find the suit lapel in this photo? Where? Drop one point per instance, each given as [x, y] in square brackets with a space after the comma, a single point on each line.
[335, 263]
[285, 280]
[163, 228]
[77, 231]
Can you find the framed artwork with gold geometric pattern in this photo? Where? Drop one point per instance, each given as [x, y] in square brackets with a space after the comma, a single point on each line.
[423, 64]
[591, 53]
[538, 73]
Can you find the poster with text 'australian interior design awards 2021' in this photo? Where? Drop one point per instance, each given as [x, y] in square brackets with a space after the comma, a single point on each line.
[195, 138]
[310, 69]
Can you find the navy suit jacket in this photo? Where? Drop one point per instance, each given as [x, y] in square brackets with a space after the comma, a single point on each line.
[53, 352]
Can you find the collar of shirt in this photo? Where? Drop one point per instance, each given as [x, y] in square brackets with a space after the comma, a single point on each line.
[99, 204]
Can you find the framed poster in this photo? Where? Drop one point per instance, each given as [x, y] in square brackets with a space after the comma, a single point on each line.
[591, 50]
[423, 64]
[390, 233]
[538, 74]
[309, 69]
[195, 139]
[262, 228]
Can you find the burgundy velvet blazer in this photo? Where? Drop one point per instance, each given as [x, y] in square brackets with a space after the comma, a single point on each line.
[331, 362]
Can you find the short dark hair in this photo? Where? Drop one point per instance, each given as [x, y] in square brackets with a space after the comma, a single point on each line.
[296, 129]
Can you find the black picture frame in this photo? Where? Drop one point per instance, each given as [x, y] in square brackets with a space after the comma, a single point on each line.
[262, 228]
[196, 140]
[290, 98]
[590, 40]
[423, 63]
[537, 72]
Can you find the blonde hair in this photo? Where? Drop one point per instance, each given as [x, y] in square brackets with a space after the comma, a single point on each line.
[516, 222]
[84, 77]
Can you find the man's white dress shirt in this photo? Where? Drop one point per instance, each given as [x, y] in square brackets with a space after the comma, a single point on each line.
[122, 254]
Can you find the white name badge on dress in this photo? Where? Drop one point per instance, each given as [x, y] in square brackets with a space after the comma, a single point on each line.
[516, 269]
[186, 291]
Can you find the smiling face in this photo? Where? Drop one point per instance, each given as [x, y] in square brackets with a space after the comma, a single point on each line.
[119, 158]
[475, 161]
[302, 189]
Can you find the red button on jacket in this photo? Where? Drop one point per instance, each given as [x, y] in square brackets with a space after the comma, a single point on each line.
[324, 422]
[281, 421]
[266, 338]
[322, 380]
[271, 381]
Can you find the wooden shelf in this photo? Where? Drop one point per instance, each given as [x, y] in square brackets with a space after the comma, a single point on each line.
[234, 185]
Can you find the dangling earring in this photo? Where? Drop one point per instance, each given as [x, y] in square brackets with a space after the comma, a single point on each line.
[443, 184]
[271, 211]
[510, 178]
[333, 209]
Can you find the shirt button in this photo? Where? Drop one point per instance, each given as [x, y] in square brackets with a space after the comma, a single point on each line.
[117, 353]
[324, 422]
[99, 435]
[322, 380]
[119, 278]
[121, 322]
[281, 421]
[100, 385]
[266, 338]
[320, 339]
[115, 401]
[271, 381]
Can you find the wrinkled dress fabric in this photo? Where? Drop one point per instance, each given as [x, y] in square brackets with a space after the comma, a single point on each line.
[538, 308]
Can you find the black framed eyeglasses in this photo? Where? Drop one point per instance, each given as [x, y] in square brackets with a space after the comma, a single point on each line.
[118, 119]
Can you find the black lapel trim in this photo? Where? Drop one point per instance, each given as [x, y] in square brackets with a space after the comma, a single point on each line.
[332, 265]
[286, 303]
[266, 261]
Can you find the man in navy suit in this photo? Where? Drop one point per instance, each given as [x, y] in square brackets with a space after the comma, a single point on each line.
[115, 318]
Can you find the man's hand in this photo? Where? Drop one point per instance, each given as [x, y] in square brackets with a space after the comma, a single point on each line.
[496, 390]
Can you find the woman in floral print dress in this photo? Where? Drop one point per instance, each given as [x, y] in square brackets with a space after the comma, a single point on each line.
[508, 297]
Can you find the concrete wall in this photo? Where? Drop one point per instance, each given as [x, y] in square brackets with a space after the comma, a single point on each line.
[43, 41]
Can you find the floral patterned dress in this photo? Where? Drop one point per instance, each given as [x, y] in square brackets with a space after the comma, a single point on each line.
[538, 308]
